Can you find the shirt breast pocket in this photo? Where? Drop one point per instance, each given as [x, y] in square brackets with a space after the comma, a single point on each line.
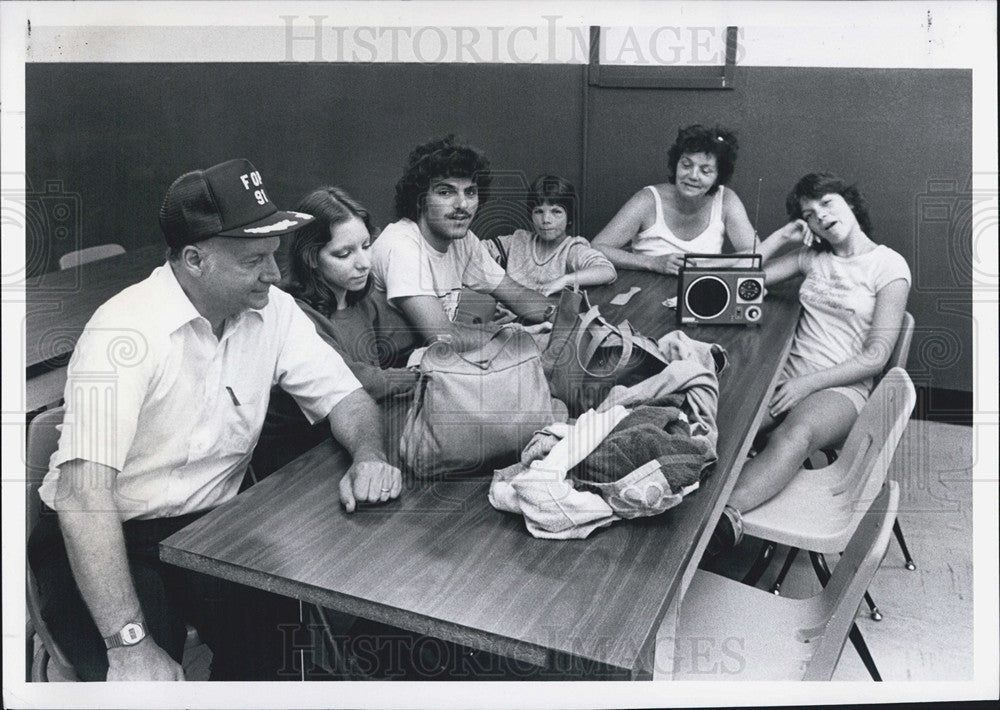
[245, 411]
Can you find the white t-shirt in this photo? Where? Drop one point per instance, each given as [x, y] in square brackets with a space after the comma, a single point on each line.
[838, 304]
[152, 393]
[403, 264]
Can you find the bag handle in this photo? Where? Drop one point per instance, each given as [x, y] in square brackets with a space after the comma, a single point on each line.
[644, 343]
[586, 320]
[624, 331]
[600, 333]
[484, 363]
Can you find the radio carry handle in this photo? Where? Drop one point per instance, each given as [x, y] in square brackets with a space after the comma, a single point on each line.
[757, 263]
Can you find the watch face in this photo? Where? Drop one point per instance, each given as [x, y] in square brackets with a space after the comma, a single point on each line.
[132, 634]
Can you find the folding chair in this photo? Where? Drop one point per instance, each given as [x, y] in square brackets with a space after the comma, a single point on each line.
[898, 358]
[900, 354]
[43, 439]
[48, 658]
[819, 509]
[730, 631]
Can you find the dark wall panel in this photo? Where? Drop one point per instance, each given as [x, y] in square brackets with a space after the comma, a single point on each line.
[117, 134]
[113, 136]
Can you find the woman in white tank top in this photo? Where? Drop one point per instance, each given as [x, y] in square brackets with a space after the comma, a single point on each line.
[692, 213]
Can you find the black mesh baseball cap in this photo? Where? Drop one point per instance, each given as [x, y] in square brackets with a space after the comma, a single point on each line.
[225, 200]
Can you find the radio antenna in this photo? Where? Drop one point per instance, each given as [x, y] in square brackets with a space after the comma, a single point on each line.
[756, 214]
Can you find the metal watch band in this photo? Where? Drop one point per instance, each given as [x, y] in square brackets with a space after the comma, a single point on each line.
[129, 635]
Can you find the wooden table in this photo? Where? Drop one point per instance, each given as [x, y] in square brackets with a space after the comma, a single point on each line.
[60, 303]
[442, 562]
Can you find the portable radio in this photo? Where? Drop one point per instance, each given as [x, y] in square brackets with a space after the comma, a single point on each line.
[720, 295]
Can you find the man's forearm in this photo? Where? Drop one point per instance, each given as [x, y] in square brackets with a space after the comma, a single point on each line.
[356, 423]
[95, 544]
[466, 336]
[526, 303]
[429, 319]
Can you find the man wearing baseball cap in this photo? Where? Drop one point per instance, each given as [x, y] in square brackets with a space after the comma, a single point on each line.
[166, 394]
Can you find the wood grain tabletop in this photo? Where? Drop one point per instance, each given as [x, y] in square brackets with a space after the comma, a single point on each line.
[442, 562]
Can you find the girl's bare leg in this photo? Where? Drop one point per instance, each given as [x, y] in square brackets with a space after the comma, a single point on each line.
[822, 419]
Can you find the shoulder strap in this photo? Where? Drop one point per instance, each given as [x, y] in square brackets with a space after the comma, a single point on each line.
[501, 252]
[717, 205]
[658, 202]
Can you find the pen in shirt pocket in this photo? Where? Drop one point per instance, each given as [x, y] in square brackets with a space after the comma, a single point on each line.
[232, 395]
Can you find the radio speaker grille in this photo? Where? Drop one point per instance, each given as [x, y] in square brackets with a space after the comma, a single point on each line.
[707, 297]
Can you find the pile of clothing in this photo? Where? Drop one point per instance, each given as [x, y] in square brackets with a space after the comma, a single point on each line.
[639, 453]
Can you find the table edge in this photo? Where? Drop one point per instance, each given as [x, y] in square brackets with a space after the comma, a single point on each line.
[409, 621]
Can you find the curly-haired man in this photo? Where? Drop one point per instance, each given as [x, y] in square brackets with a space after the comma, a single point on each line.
[424, 260]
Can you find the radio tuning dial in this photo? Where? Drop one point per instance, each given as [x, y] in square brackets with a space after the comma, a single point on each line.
[749, 290]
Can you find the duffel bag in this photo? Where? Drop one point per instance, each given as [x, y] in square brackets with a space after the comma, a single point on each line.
[476, 409]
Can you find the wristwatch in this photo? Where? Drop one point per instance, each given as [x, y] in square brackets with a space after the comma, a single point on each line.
[129, 635]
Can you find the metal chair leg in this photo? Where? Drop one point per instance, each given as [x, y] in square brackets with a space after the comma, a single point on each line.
[819, 565]
[343, 665]
[857, 640]
[862, 648]
[29, 649]
[761, 564]
[776, 587]
[873, 611]
[902, 545]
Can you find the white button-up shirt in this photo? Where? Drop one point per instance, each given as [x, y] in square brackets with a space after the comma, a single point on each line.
[152, 393]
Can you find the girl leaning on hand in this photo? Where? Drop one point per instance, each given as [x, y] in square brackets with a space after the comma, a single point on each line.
[853, 299]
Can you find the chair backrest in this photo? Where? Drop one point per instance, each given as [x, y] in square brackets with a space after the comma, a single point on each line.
[901, 350]
[83, 256]
[873, 439]
[43, 439]
[852, 576]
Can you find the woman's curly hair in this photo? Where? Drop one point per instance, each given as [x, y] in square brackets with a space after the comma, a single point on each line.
[813, 186]
[439, 158]
[700, 139]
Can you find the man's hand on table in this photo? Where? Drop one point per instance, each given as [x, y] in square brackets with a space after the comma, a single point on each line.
[144, 661]
[369, 482]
